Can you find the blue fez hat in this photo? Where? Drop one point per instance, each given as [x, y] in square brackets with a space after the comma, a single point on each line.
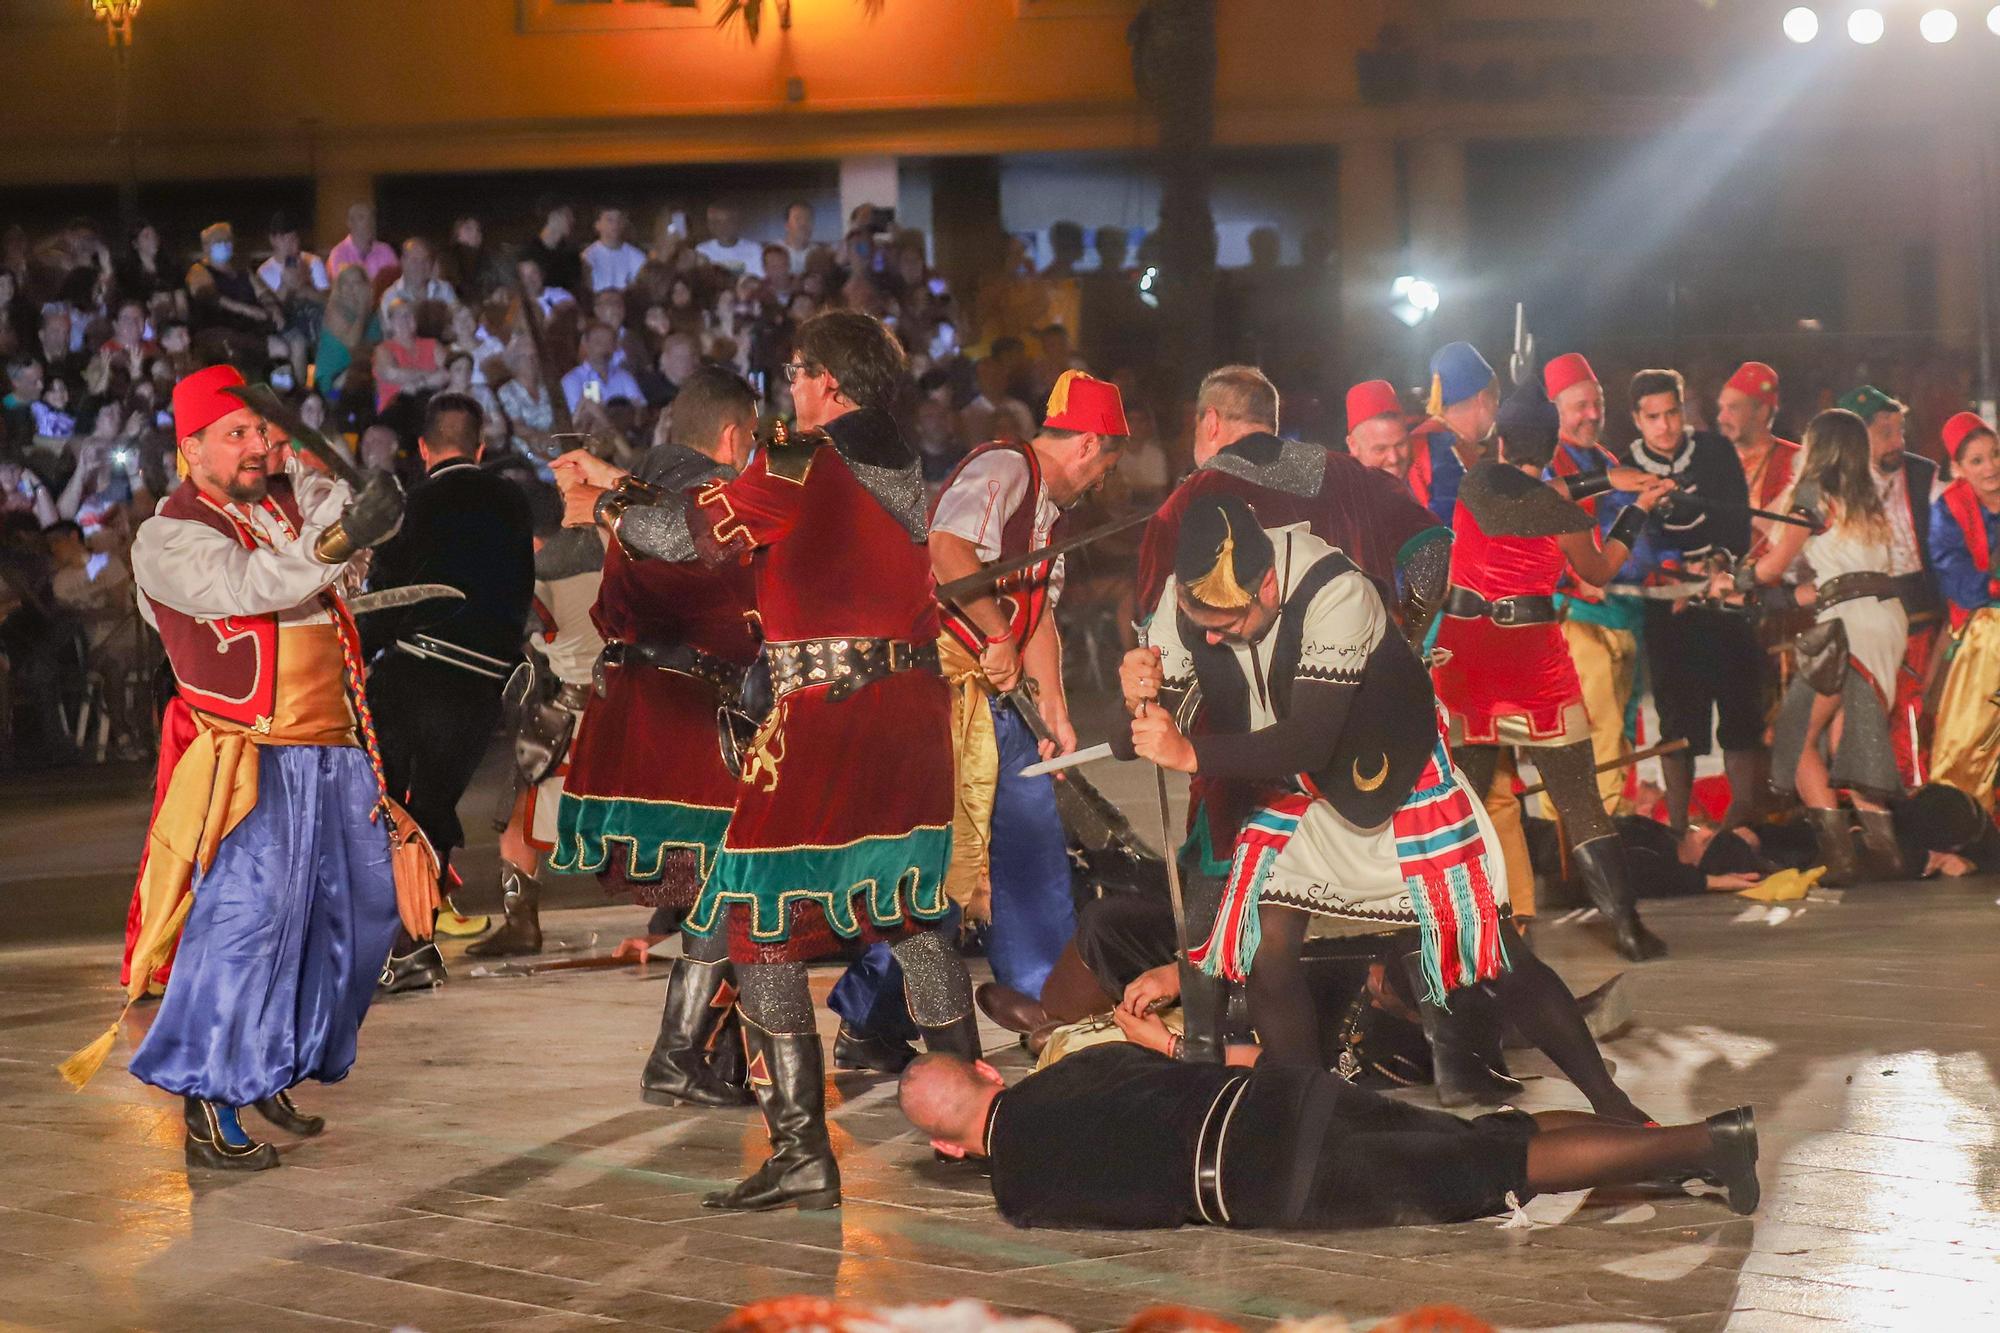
[1458, 372]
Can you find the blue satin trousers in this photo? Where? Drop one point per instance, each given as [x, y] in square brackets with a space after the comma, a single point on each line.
[286, 938]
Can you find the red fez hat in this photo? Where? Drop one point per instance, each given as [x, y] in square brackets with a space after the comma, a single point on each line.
[1961, 427]
[1568, 369]
[199, 399]
[1082, 402]
[1370, 399]
[1756, 379]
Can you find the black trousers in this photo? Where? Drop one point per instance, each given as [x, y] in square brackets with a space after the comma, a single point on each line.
[433, 723]
[1706, 671]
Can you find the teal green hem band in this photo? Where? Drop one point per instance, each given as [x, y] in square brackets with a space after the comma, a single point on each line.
[588, 826]
[884, 876]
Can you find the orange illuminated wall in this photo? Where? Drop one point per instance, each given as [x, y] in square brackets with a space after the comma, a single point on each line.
[358, 87]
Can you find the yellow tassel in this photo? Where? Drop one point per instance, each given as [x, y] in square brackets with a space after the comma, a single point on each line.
[1436, 405]
[82, 1067]
[180, 464]
[1218, 588]
[1059, 395]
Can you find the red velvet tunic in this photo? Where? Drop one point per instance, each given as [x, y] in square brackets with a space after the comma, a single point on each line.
[1503, 671]
[647, 796]
[843, 822]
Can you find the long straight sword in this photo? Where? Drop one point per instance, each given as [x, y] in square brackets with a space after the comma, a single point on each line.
[1664, 747]
[993, 573]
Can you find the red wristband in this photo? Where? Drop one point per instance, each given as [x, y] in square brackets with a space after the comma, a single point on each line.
[998, 639]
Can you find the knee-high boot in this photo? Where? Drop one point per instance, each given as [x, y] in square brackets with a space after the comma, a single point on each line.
[678, 1071]
[788, 1074]
[1204, 999]
[939, 995]
[521, 932]
[1465, 1043]
[1608, 881]
[1836, 847]
[1880, 851]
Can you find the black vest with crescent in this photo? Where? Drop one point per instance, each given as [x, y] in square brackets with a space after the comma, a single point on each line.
[1391, 723]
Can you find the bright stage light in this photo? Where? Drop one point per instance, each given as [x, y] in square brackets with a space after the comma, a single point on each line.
[1801, 24]
[1938, 25]
[1993, 20]
[1413, 300]
[1865, 26]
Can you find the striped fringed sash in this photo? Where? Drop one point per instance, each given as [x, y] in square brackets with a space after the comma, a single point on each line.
[1443, 858]
[1232, 945]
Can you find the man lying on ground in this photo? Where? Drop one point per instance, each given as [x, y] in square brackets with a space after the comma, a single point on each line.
[1120, 1135]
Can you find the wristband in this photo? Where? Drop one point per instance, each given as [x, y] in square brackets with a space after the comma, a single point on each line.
[1631, 521]
[1584, 485]
[1005, 636]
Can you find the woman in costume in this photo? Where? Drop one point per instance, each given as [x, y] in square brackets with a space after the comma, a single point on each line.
[1361, 823]
[1506, 677]
[1965, 526]
[1833, 726]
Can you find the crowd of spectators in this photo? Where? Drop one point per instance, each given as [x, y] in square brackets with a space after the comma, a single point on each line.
[580, 331]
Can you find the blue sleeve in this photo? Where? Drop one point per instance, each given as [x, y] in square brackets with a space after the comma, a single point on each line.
[1961, 580]
[1446, 472]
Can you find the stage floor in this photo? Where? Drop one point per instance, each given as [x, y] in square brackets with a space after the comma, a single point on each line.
[490, 1166]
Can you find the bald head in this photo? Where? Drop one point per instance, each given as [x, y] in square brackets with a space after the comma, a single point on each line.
[946, 1097]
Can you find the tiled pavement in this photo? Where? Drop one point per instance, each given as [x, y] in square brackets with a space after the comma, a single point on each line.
[490, 1166]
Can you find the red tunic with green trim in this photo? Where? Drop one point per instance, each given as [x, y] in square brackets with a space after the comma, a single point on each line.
[842, 828]
[647, 796]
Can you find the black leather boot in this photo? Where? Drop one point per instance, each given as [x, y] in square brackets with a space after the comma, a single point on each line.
[959, 1037]
[870, 1053]
[1600, 863]
[419, 969]
[1836, 847]
[216, 1141]
[521, 932]
[1465, 1044]
[280, 1111]
[788, 1074]
[678, 1072]
[1733, 1165]
[1881, 854]
[1204, 999]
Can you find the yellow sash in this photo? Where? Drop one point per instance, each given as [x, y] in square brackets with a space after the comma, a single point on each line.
[976, 767]
[214, 785]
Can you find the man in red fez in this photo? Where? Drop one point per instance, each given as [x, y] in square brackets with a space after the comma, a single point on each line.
[1600, 628]
[1744, 411]
[241, 571]
[1010, 860]
[1378, 434]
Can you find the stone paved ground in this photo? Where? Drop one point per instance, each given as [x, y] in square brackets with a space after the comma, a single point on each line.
[490, 1166]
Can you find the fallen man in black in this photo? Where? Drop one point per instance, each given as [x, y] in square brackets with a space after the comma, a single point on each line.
[1118, 1135]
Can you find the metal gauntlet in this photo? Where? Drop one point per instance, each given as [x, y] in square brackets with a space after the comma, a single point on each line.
[335, 546]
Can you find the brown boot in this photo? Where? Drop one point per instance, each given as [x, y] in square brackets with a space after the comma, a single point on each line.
[1836, 847]
[521, 932]
[1881, 853]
